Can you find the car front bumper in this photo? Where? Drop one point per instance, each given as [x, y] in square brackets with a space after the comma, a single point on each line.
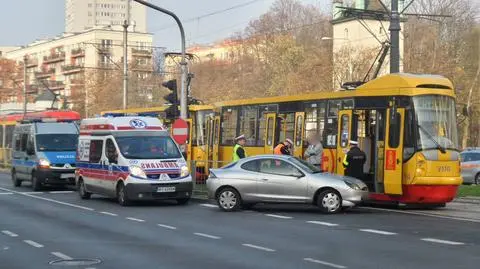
[56, 176]
[354, 197]
[152, 191]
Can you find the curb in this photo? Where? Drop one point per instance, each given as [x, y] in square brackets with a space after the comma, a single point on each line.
[467, 200]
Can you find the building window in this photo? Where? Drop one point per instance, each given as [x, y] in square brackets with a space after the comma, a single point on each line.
[107, 43]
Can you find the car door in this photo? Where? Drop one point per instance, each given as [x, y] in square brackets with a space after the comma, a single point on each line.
[250, 178]
[467, 166]
[281, 181]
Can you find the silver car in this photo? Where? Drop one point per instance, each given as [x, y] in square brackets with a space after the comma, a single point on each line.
[282, 179]
[471, 166]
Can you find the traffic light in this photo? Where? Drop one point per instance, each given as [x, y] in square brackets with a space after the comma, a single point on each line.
[172, 98]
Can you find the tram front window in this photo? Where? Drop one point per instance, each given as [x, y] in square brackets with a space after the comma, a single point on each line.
[436, 122]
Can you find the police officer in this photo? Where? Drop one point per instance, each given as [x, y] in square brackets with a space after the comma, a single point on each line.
[354, 161]
[238, 151]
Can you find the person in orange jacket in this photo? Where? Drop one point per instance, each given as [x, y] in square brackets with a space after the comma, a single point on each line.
[284, 148]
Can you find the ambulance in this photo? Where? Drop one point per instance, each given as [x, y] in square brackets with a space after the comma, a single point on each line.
[131, 158]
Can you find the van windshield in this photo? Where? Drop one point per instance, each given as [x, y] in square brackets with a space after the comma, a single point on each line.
[57, 142]
[148, 147]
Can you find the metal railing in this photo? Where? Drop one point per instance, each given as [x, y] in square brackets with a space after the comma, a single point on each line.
[199, 172]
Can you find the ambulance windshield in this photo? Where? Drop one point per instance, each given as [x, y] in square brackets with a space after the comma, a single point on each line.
[148, 147]
[57, 142]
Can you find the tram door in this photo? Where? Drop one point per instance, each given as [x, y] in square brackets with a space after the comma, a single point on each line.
[210, 121]
[216, 141]
[299, 134]
[343, 138]
[269, 137]
[393, 157]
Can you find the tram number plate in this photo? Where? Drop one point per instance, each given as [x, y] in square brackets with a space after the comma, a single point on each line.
[166, 189]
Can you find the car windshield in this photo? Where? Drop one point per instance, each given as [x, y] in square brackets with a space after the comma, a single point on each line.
[148, 147]
[57, 142]
[436, 122]
[306, 166]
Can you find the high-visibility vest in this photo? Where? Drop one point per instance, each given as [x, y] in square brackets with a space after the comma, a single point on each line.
[235, 155]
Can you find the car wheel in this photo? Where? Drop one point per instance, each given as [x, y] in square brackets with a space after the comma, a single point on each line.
[122, 195]
[329, 201]
[36, 184]
[82, 191]
[477, 179]
[183, 201]
[229, 200]
[15, 180]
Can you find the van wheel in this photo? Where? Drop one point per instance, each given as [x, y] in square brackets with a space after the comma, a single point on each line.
[329, 201]
[477, 179]
[36, 184]
[15, 180]
[82, 191]
[122, 195]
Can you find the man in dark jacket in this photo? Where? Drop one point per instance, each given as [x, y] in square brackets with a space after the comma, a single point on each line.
[354, 161]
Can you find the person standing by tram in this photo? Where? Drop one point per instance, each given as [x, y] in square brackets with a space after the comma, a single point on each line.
[313, 153]
[284, 148]
[238, 150]
[354, 161]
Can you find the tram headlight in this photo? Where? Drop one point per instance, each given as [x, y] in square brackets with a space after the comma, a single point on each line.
[137, 171]
[421, 170]
[184, 171]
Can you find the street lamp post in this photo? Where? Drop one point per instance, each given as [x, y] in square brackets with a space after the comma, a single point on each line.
[183, 62]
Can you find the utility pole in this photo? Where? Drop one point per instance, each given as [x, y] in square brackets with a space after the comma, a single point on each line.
[395, 38]
[183, 62]
[125, 56]
[25, 59]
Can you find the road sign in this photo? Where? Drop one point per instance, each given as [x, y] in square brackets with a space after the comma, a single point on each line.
[180, 131]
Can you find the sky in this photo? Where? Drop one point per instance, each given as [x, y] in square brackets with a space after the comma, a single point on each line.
[45, 18]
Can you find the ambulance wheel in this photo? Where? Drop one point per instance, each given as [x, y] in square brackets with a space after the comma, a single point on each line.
[183, 201]
[36, 184]
[15, 180]
[82, 191]
[122, 195]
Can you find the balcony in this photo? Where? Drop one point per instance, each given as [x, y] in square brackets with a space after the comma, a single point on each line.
[45, 74]
[75, 53]
[71, 69]
[32, 62]
[55, 57]
[142, 52]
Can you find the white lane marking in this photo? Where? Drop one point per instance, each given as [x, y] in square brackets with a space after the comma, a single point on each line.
[61, 256]
[134, 219]
[60, 192]
[278, 216]
[6, 193]
[258, 247]
[423, 214]
[50, 200]
[108, 213]
[207, 235]
[325, 263]
[32, 192]
[322, 223]
[208, 205]
[167, 226]
[33, 243]
[9, 233]
[377, 232]
[440, 241]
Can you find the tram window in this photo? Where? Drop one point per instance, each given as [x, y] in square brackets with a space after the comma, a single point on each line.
[345, 131]
[229, 125]
[347, 104]
[289, 128]
[249, 124]
[315, 119]
[270, 123]
[298, 129]
[408, 142]
[333, 108]
[261, 129]
[394, 132]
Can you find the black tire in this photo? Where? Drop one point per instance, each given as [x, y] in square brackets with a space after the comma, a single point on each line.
[36, 184]
[183, 201]
[329, 201]
[228, 199]
[477, 179]
[16, 182]
[82, 191]
[122, 197]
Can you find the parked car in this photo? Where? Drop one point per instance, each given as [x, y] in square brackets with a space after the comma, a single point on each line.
[470, 163]
[282, 179]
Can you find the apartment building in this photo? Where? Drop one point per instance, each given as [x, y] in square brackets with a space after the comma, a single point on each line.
[60, 63]
[81, 15]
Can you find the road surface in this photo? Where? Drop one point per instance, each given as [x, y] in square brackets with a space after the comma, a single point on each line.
[37, 228]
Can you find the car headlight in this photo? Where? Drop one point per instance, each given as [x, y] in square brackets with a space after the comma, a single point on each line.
[137, 171]
[184, 171]
[352, 185]
[44, 163]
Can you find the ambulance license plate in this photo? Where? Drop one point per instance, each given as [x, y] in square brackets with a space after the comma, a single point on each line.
[67, 175]
[166, 189]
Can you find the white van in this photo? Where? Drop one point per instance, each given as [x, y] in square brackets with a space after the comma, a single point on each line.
[130, 158]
